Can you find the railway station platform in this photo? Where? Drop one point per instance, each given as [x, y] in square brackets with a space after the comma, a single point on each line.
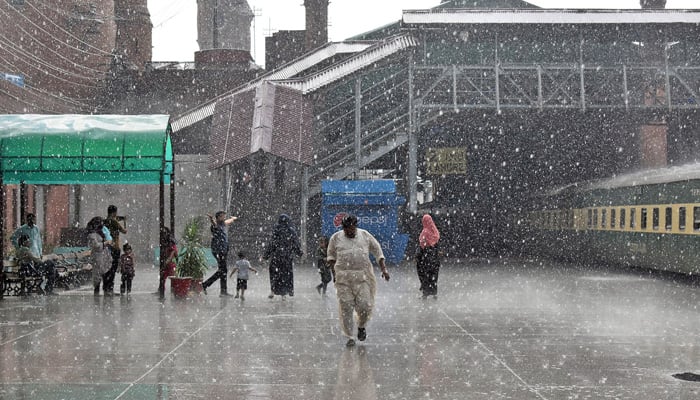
[499, 329]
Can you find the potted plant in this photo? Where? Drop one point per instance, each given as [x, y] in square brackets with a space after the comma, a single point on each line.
[192, 262]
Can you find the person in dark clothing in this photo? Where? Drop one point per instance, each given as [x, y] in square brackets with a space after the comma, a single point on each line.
[168, 253]
[126, 269]
[283, 245]
[428, 257]
[219, 248]
[322, 266]
[115, 228]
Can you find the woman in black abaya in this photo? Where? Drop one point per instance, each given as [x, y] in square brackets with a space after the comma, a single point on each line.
[283, 246]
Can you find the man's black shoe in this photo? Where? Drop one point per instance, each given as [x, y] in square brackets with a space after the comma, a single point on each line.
[361, 334]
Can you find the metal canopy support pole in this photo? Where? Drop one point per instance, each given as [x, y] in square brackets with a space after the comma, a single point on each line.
[668, 77]
[583, 75]
[358, 124]
[22, 203]
[303, 223]
[2, 233]
[172, 199]
[412, 144]
[497, 71]
[540, 98]
[624, 83]
[454, 87]
[162, 240]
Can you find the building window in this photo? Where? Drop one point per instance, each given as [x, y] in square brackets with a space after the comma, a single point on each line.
[612, 218]
[622, 218]
[681, 218]
[655, 219]
[633, 218]
[644, 219]
[669, 218]
[603, 218]
[590, 218]
[696, 218]
[595, 218]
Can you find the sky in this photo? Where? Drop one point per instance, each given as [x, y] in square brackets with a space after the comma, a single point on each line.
[175, 21]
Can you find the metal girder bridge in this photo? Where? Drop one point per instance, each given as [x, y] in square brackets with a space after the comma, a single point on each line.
[555, 86]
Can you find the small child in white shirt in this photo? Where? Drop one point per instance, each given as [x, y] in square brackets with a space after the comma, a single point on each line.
[242, 266]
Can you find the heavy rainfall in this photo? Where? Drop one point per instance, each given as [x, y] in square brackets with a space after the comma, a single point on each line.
[442, 199]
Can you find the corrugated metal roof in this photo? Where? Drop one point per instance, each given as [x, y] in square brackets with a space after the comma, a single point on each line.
[355, 63]
[287, 71]
[452, 16]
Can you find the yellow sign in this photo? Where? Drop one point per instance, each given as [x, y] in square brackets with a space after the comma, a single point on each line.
[446, 161]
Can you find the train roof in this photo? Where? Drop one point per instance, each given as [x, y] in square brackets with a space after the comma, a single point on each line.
[640, 178]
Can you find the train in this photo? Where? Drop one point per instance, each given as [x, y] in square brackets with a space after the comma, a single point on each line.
[648, 219]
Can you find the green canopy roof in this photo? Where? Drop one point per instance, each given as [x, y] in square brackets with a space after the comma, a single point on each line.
[85, 149]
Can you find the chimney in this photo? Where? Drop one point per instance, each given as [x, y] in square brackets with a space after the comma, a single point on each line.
[316, 23]
[223, 34]
[224, 24]
[653, 4]
[134, 43]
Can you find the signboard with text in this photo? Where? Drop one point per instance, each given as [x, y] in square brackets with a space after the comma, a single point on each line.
[446, 161]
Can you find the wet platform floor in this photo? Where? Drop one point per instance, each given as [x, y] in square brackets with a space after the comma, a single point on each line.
[504, 329]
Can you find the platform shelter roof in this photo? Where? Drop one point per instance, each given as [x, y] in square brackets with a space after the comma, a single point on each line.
[85, 149]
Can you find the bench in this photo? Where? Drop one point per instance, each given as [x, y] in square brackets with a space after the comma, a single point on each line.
[72, 267]
[16, 285]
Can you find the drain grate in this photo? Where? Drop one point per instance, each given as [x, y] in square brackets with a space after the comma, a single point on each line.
[687, 376]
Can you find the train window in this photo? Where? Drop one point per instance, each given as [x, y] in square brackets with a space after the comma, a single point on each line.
[681, 218]
[644, 218]
[604, 218]
[655, 219]
[696, 218]
[595, 218]
[622, 218]
[633, 218]
[612, 218]
[669, 218]
[590, 218]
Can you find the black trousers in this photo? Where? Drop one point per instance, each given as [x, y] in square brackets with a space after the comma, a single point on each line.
[108, 277]
[221, 273]
[126, 283]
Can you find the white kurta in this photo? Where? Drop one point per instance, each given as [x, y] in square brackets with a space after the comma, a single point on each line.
[355, 282]
[101, 257]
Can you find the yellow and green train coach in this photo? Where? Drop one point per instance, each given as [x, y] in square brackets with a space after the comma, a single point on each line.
[648, 219]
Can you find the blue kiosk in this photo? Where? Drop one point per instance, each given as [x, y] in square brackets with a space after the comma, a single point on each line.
[375, 203]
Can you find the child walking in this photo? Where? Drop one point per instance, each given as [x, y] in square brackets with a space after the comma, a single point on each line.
[322, 266]
[242, 266]
[126, 268]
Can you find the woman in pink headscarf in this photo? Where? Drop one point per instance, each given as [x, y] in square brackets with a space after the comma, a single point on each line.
[427, 257]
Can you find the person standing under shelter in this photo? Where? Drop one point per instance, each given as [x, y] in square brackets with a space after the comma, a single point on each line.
[32, 231]
[428, 257]
[100, 255]
[115, 228]
[355, 283]
[219, 248]
[283, 246]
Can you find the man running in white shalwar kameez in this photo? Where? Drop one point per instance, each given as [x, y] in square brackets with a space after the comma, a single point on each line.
[355, 283]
